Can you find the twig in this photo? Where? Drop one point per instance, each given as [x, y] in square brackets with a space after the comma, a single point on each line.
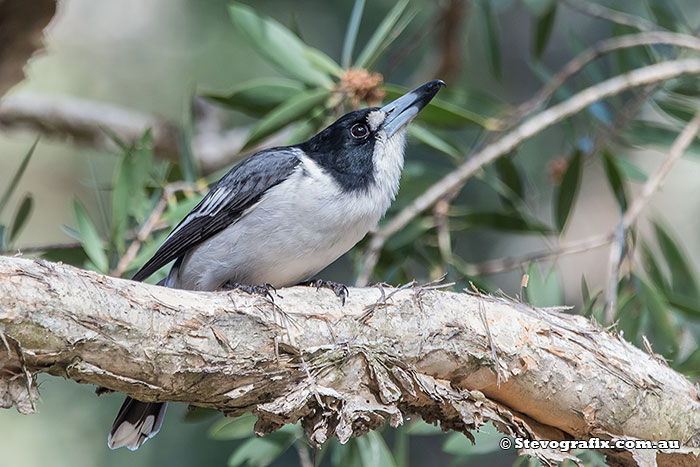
[646, 75]
[599, 11]
[96, 124]
[604, 47]
[615, 257]
[680, 145]
[149, 226]
[514, 262]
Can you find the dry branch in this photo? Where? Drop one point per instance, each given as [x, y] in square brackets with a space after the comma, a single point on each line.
[422, 351]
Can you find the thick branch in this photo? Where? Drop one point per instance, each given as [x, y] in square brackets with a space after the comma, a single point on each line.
[308, 358]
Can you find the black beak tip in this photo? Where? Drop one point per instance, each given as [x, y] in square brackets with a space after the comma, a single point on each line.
[440, 82]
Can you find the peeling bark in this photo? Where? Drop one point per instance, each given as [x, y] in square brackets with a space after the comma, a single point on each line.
[343, 370]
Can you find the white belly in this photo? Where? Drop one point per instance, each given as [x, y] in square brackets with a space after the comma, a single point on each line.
[297, 228]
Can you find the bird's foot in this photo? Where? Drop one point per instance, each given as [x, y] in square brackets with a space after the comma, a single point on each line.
[341, 290]
[262, 289]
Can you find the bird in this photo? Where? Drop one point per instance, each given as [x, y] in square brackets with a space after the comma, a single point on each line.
[279, 217]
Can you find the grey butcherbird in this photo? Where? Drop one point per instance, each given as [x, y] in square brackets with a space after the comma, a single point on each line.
[281, 216]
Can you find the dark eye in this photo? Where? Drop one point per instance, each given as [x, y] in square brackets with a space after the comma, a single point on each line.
[359, 130]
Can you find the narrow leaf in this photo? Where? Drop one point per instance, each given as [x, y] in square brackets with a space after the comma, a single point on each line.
[89, 238]
[442, 113]
[492, 42]
[23, 213]
[683, 277]
[380, 34]
[508, 173]
[505, 221]
[615, 180]
[646, 132]
[238, 428]
[258, 97]
[691, 365]
[630, 170]
[291, 110]
[543, 290]
[543, 29]
[568, 189]
[661, 330]
[351, 33]
[431, 139]
[278, 45]
[12, 186]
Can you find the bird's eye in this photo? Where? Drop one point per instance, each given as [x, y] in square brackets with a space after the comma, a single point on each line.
[359, 130]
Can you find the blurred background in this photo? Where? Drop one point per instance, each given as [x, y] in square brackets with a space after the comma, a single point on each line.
[213, 89]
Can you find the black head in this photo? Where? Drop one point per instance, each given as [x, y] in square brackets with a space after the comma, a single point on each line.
[350, 148]
[345, 149]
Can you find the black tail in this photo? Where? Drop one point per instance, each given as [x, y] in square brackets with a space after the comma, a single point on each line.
[136, 422]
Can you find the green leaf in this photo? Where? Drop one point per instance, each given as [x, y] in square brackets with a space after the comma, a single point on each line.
[237, 428]
[662, 333]
[615, 180]
[278, 45]
[3, 238]
[374, 451]
[568, 189]
[508, 173]
[431, 139]
[651, 267]
[687, 306]
[691, 365]
[197, 414]
[92, 244]
[543, 290]
[263, 451]
[442, 113]
[257, 452]
[492, 42]
[260, 96]
[421, 428]
[351, 33]
[129, 198]
[629, 317]
[505, 221]
[629, 170]
[663, 14]
[291, 110]
[380, 34]
[16, 177]
[323, 62]
[543, 29]
[644, 132]
[538, 7]
[72, 255]
[23, 213]
[683, 278]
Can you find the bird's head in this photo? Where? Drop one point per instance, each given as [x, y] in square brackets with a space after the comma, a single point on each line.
[358, 146]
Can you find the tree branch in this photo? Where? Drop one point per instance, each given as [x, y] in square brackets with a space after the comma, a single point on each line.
[536, 124]
[95, 124]
[306, 357]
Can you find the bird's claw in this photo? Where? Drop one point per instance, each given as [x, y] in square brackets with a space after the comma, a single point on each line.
[340, 290]
[262, 289]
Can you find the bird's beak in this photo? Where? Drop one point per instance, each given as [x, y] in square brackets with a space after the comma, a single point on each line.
[404, 109]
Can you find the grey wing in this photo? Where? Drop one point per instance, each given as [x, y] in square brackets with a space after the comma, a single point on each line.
[239, 189]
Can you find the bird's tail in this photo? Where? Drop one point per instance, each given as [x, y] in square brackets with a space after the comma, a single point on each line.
[136, 422]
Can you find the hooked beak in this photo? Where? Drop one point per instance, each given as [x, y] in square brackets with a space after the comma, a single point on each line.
[404, 109]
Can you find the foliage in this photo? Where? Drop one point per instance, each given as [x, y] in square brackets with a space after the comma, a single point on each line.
[656, 296]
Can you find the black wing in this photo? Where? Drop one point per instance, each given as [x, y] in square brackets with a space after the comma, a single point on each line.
[239, 189]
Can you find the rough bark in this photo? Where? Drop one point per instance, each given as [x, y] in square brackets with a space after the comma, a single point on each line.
[456, 358]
